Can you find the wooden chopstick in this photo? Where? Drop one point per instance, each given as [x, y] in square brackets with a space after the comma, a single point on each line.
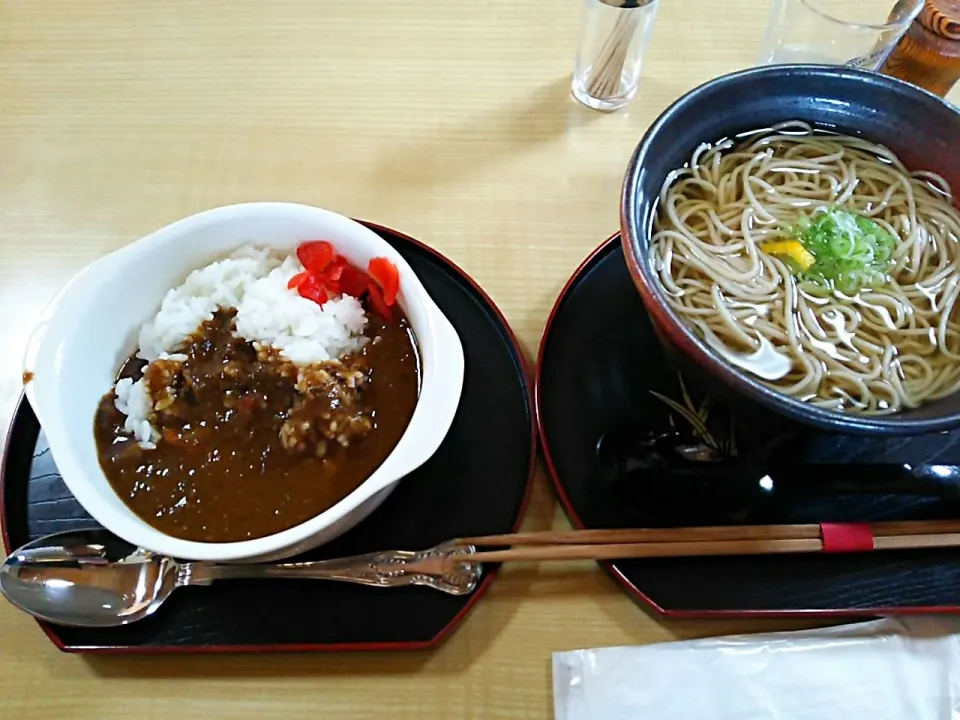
[650, 549]
[693, 549]
[908, 542]
[645, 535]
[701, 541]
[718, 533]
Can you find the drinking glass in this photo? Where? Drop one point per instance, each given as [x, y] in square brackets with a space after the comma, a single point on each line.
[836, 32]
[614, 35]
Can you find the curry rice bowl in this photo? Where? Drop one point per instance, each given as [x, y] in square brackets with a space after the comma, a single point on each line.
[266, 389]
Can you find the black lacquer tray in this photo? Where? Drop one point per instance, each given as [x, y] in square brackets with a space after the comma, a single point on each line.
[477, 483]
[601, 368]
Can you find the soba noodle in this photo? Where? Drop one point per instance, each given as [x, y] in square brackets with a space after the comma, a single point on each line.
[891, 345]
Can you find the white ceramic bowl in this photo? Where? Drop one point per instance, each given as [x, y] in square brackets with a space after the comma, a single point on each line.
[91, 326]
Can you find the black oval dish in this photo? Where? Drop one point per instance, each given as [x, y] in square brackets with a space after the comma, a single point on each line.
[599, 367]
[477, 483]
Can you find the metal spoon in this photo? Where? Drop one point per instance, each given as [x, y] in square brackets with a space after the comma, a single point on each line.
[91, 578]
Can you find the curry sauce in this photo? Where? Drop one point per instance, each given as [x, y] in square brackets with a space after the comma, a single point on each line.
[250, 444]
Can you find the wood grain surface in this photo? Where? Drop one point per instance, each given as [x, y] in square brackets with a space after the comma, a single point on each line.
[449, 121]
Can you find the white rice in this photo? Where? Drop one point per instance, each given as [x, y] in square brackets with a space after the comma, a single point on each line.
[134, 402]
[254, 281]
[270, 314]
[184, 308]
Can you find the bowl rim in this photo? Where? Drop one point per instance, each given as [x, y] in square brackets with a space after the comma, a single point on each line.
[437, 330]
[683, 336]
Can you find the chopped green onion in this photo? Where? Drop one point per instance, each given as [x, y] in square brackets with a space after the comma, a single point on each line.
[851, 251]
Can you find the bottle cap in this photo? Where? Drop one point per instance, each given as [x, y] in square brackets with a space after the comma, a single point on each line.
[942, 18]
[627, 4]
[928, 54]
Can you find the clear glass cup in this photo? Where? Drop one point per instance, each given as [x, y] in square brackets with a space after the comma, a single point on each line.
[836, 32]
[614, 35]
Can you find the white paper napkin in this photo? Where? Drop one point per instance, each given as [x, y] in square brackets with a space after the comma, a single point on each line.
[880, 670]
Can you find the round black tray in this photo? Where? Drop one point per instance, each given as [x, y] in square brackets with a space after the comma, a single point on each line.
[477, 483]
[600, 364]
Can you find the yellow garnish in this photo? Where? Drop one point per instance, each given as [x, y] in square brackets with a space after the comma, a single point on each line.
[792, 249]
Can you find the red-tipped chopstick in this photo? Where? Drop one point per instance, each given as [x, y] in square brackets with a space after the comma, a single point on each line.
[732, 540]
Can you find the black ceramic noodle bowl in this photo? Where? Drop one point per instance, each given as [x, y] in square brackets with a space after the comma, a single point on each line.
[922, 129]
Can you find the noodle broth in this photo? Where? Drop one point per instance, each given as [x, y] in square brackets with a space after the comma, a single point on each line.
[817, 262]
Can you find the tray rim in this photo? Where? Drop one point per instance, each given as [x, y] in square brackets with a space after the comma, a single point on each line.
[609, 566]
[440, 636]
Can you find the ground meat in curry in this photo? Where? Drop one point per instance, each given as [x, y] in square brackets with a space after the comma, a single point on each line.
[252, 444]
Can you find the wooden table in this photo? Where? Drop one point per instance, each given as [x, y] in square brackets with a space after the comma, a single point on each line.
[449, 121]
